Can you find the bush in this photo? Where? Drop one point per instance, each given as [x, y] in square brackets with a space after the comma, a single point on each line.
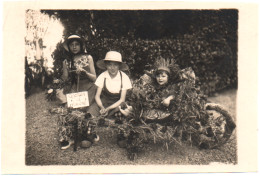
[213, 61]
[205, 40]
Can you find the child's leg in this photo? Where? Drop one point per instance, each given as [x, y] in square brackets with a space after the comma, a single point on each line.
[66, 132]
[91, 94]
[61, 96]
[94, 109]
[113, 111]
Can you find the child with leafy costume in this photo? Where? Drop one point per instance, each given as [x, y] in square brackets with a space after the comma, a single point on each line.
[78, 74]
[166, 104]
[157, 87]
[151, 98]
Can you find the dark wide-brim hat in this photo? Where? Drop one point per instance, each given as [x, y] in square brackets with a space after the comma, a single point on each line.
[72, 38]
[112, 56]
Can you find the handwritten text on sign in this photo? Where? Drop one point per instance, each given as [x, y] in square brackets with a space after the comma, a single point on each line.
[77, 100]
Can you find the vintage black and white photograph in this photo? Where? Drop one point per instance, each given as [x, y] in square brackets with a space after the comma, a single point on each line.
[130, 86]
[161, 86]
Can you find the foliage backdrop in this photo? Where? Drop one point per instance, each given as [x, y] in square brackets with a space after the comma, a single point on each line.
[205, 40]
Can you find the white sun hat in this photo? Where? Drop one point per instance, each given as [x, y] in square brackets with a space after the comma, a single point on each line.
[112, 56]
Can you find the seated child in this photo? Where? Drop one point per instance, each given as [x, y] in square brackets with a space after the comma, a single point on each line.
[159, 90]
[162, 78]
[112, 85]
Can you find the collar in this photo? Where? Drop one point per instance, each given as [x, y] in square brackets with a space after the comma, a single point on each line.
[106, 75]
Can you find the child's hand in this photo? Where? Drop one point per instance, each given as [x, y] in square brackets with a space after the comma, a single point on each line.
[65, 64]
[166, 102]
[127, 111]
[103, 112]
[79, 70]
[65, 70]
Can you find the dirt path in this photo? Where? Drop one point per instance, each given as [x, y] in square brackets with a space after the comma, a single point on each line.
[42, 147]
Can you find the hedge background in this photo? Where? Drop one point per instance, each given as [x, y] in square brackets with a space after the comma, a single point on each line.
[205, 40]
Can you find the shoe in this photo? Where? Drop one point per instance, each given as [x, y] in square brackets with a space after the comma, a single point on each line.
[88, 116]
[63, 105]
[85, 144]
[66, 144]
[92, 138]
[96, 139]
[122, 143]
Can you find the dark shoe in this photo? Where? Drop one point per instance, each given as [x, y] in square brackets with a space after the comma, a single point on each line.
[63, 104]
[122, 143]
[88, 116]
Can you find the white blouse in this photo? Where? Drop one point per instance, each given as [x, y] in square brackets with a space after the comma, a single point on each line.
[113, 85]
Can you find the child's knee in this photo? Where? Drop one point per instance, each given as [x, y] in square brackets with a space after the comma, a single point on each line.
[94, 109]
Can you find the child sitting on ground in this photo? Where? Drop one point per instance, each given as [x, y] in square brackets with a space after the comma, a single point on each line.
[112, 85]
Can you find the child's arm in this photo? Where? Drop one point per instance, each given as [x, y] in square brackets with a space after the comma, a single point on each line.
[116, 104]
[92, 73]
[97, 98]
[166, 101]
[65, 70]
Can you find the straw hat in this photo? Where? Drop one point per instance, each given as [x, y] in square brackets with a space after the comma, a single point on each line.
[71, 38]
[112, 56]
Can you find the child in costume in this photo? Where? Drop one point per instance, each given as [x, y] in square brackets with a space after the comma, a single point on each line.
[112, 85]
[78, 74]
[158, 88]
[155, 91]
[78, 69]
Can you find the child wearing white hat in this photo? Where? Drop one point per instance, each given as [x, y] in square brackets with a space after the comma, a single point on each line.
[112, 85]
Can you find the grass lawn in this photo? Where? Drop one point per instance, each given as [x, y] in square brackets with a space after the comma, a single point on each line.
[42, 146]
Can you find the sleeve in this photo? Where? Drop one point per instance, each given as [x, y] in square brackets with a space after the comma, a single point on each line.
[100, 80]
[126, 82]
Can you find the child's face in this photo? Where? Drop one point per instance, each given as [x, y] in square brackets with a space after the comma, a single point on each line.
[112, 68]
[162, 78]
[74, 47]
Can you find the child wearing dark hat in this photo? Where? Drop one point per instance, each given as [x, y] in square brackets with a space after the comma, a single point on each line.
[78, 68]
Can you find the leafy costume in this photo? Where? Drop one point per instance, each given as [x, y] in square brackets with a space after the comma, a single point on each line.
[186, 120]
[72, 123]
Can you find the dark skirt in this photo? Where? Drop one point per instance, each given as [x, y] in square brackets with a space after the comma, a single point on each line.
[83, 86]
[106, 100]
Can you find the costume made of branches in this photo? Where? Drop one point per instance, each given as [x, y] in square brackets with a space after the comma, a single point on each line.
[67, 121]
[182, 119]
